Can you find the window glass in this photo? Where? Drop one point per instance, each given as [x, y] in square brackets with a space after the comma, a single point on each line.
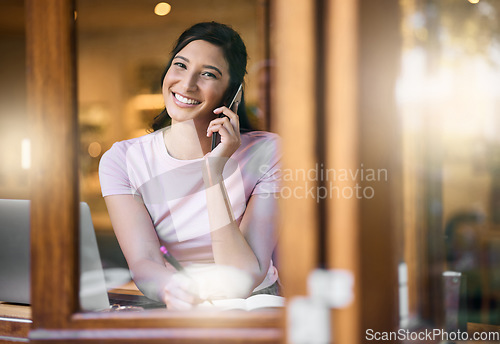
[448, 103]
[14, 133]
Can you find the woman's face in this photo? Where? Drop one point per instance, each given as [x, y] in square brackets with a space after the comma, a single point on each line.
[195, 82]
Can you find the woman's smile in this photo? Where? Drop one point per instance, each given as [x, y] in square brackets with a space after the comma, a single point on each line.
[185, 100]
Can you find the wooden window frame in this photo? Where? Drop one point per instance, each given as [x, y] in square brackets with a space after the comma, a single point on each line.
[304, 223]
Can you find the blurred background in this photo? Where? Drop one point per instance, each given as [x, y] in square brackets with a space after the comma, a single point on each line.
[447, 96]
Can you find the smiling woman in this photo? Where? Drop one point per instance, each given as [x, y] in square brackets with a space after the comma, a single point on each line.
[210, 208]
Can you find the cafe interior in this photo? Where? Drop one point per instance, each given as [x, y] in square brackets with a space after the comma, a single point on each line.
[389, 221]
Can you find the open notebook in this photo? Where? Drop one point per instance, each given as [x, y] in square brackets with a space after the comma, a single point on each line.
[251, 303]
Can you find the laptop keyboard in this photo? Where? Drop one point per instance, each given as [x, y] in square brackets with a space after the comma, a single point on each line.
[127, 300]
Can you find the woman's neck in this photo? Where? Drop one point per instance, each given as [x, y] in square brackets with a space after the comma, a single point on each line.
[187, 140]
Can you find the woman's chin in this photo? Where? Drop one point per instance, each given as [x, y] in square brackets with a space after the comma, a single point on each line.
[192, 117]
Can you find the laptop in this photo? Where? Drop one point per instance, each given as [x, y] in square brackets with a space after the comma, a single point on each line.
[15, 257]
[15, 262]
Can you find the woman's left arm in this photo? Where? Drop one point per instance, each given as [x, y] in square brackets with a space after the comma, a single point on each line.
[249, 245]
[259, 228]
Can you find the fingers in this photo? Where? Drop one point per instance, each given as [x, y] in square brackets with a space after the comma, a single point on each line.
[226, 111]
[177, 304]
[181, 293]
[222, 126]
[233, 117]
[228, 127]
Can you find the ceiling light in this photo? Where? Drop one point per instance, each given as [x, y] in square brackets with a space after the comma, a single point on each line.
[162, 9]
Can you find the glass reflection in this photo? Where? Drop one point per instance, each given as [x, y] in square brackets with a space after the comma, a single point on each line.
[14, 133]
[448, 102]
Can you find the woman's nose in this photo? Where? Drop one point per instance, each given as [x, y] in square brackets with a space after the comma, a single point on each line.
[189, 81]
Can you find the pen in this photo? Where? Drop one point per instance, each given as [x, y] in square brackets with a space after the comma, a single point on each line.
[175, 263]
[171, 259]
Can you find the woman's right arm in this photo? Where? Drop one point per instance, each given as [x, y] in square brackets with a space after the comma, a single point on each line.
[140, 245]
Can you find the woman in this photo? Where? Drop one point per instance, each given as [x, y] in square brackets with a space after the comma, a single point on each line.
[214, 210]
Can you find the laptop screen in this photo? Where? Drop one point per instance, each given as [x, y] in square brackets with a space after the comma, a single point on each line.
[15, 257]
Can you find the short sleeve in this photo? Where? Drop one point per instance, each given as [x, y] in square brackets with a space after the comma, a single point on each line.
[113, 175]
[270, 167]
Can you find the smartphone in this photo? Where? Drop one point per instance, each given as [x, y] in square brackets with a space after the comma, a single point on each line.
[235, 102]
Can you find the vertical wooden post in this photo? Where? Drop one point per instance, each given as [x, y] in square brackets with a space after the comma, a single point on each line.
[51, 77]
[380, 150]
[361, 68]
[294, 110]
[342, 121]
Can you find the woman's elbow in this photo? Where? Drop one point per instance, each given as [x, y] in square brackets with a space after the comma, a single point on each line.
[258, 274]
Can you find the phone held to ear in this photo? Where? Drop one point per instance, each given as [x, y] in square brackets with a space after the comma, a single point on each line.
[235, 102]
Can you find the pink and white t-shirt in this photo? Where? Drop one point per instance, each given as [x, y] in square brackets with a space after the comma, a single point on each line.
[174, 193]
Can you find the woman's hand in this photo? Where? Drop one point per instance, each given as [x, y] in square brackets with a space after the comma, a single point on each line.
[228, 128]
[181, 292]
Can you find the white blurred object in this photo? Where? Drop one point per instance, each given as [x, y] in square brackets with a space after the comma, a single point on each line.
[404, 308]
[308, 322]
[309, 317]
[333, 288]
[220, 281]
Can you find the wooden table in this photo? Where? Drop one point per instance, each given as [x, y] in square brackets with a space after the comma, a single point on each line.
[15, 322]
[15, 319]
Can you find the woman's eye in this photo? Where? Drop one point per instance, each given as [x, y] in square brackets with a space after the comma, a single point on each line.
[210, 75]
[180, 65]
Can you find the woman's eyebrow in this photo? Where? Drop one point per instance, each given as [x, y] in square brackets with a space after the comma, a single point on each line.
[214, 68]
[204, 66]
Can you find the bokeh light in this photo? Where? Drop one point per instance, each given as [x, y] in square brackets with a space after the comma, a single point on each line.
[162, 9]
[94, 149]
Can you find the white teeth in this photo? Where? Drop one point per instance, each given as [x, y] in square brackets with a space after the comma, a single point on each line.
[185, 100]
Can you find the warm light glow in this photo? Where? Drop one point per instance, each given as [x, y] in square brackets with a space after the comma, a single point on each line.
[162, 9]
[94, 149]
[473, 1]
[26, 154]
[148, 101]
